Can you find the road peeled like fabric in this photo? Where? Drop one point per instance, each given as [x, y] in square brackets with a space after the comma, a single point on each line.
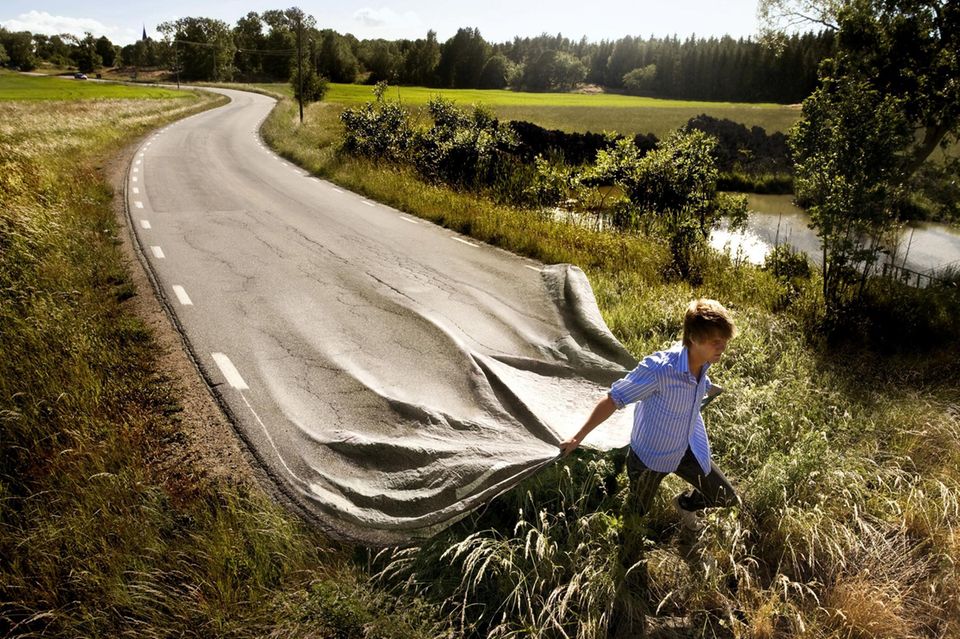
[393, 376]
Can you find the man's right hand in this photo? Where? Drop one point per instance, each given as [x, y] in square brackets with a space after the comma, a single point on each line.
[568, 446]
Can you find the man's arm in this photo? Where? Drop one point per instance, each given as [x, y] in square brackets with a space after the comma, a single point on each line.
[601, 412]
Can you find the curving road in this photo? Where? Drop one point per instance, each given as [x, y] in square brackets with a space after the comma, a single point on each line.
[389, 374]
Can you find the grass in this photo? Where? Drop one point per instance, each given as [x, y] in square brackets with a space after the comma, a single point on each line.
[847, 460]
[572, 111]
[101, 534]
[15, 86]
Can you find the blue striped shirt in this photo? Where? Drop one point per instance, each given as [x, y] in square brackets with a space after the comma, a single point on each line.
[667, 417]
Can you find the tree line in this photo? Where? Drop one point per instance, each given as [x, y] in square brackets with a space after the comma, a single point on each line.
[262, 47]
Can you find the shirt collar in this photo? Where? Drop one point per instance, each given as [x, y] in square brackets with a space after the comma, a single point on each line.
[683, 365]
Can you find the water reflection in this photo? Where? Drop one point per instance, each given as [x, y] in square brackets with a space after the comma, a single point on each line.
[775, 220]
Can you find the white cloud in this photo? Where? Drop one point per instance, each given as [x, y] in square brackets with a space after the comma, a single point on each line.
[43, 22]
[386, 17]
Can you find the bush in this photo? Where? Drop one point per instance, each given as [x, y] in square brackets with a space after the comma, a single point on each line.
[739, 149]
[314, 86]
[378, 130]
[464, 150]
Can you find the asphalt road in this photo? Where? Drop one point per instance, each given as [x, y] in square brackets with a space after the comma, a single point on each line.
[390, 375]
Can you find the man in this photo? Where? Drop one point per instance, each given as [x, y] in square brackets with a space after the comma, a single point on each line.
[668, 432]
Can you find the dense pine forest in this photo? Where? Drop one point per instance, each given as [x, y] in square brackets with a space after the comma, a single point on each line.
[262, 47]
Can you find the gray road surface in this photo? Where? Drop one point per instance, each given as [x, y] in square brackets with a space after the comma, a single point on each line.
[390, 374]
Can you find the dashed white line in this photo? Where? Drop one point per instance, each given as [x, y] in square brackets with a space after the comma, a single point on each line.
[465, 242]
[138, 204]
[134, 178]
[407, 219]
[532, 268]
[157, 252]
[145, 224]
[136, 170]
[368, 203]
[138, 162]
[336, 190]
[269, 438]
[136, 191]
[181, 294]
[229, 371]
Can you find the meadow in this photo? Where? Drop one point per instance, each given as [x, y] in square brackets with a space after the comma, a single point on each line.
[15, 86]
[572, 112]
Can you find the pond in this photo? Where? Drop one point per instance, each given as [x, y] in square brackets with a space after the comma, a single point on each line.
[774, 219]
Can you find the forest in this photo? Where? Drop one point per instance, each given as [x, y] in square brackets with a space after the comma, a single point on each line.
[260, 47]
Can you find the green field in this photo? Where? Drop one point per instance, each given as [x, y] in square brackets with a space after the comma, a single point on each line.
[576, 111]
[14, 86]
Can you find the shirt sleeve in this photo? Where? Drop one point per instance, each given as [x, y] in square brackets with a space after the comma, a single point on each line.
[638, 385]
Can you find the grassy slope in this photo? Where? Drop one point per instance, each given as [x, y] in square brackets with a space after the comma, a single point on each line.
[848, 461]
[100, 536]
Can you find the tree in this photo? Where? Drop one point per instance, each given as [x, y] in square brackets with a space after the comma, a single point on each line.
[19, 47]
[496, 72]
[382, 59]
[909, 49]
[53, 49]
[640, 81]
[106, 51]
[849, 150]
[314, 86]
[249, 39]
[887, 99]
[86, 56]
[553, 70]
[281, 40]
[205, 47]
[337, 60]
[462, 58]
[4, 58]
[420, 61]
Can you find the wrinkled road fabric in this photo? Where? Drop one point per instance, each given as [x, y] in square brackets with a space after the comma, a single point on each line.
[445, 409]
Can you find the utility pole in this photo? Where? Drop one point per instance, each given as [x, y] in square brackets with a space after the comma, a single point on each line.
[300, 63]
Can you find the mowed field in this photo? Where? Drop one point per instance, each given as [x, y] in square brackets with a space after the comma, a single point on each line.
[576, 111]
[16, 86]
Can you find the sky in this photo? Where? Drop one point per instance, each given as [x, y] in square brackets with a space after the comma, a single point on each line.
[122, 21]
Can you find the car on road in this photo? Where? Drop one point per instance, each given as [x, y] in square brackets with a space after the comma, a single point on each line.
[79, 76]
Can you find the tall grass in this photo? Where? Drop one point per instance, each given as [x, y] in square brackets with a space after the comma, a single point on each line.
[846, 458]
[101, 535]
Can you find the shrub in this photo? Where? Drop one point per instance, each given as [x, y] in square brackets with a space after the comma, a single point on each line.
[378, 130]
[463, 149]
[314, 86]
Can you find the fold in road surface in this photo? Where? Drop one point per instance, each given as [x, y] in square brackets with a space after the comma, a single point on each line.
[389, 374]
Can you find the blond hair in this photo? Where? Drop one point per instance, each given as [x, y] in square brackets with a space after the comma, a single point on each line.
[705, 319]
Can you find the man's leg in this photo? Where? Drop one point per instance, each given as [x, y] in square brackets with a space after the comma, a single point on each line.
[629, 608]
[643, 483]
[712, 489]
